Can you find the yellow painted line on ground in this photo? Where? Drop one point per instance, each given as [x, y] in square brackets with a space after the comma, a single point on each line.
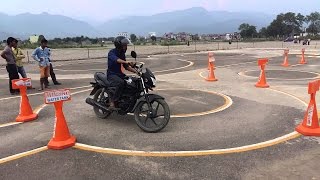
[279, 140]
[21, 155]
[226, 105]
[9, 124]
[240, 149]
[288, 94]
[38, 109]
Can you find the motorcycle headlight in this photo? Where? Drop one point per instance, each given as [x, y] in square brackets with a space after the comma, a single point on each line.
[154, 81]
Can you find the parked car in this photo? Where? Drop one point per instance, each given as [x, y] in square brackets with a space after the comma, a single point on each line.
[289, 39]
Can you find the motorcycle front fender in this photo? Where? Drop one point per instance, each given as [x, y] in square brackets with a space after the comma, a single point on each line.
[150, 98]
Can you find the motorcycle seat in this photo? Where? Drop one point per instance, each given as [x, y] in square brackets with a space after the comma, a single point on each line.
[101, 78]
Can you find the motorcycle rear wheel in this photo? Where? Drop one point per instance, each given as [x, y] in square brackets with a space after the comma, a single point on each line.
[100, 97]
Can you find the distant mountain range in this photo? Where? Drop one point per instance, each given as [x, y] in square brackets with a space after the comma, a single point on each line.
[194, 20]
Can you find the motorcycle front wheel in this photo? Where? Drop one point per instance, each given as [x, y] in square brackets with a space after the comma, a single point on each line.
[103, 99]
[155, 121]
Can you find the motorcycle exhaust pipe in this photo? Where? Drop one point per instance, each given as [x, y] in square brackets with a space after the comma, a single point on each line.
[93, 103]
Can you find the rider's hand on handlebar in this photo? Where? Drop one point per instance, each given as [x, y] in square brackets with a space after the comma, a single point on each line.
[130, 63]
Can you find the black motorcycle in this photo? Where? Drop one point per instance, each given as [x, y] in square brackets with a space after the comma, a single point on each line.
[151, 112]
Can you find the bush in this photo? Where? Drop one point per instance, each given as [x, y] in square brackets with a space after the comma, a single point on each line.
[172, 43]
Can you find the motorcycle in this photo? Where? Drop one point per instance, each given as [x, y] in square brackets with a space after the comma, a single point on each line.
[151, 112]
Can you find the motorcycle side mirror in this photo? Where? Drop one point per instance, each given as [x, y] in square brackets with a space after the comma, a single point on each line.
[133, 54]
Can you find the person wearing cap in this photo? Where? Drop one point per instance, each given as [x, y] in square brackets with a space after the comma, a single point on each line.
[41, 55]
[11, 66]
[116, 58]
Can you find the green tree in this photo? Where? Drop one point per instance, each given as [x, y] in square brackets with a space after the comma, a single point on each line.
[247, 30]
[263, 32]
[301, 20]
[314, 23]
[133, 37]
[286, 24]
[276, 27]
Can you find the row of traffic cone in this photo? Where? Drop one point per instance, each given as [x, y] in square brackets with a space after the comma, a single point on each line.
[262, 83]
[286, 58]
[61, 138]
[310, 125]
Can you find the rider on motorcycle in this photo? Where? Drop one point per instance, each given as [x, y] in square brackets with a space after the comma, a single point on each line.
[116, 58]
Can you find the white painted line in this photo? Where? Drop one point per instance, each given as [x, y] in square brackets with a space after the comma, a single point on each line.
[14, 97]
[236, 64]
[243, 73]
[190, 64]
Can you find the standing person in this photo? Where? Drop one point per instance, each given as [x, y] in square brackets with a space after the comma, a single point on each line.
[18, 55]
[11, 67]
[42, 54]
[52, 74]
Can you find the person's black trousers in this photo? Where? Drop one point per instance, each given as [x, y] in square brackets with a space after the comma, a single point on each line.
[13, 74]
[118, 83]
[53, 75]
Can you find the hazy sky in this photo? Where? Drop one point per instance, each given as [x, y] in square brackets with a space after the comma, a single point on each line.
[101, 10]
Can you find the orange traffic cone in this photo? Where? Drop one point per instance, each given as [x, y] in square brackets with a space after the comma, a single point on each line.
[310, 124]
[303, 60]
[61, 137]
[262, 83]
[211, 76]
[211, 59]
[26, 114]
[286, 58]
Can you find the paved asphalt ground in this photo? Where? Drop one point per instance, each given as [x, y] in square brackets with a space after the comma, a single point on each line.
[218, 116]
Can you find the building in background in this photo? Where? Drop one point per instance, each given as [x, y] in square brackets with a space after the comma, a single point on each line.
[152, 34]
[34, 39]
[125, 34]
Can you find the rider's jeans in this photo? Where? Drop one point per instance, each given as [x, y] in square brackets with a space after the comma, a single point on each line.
[118, 83]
